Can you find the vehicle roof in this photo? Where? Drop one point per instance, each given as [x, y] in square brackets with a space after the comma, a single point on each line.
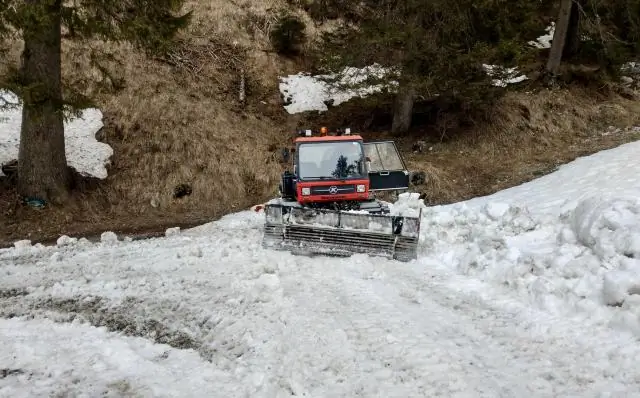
[329, 138]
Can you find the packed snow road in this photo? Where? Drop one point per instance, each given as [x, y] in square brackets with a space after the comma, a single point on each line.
[502, 302]
[271, 324]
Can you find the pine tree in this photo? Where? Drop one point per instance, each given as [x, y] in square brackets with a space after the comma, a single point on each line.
[602, 33]
[148, 24]
[437, 45]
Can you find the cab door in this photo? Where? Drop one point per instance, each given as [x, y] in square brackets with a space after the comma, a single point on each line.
[387, 170]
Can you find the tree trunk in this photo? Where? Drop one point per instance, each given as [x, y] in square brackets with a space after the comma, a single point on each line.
[42, 164]
[403, 109]
[559, 38]
[572, 42]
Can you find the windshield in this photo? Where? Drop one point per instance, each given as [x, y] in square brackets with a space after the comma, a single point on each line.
[331, 160]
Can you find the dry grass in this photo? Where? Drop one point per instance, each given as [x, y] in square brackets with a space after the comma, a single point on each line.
[178, 122]
[530, 135]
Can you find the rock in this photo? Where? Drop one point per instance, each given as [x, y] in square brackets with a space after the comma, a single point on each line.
[418, 177]
[182, 190]
[626, 80]
[419, 146]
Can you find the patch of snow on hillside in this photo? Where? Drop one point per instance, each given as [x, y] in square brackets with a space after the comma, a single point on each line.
[544, 41]
[84, 152]
[631, 68]
[504, 76]
[303, 92]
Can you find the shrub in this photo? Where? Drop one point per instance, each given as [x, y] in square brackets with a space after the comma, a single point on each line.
[287, 36]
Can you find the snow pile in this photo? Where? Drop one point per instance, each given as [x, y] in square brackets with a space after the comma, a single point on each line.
[84, 153]
[610, 171]
[576, 254]
[303, 92]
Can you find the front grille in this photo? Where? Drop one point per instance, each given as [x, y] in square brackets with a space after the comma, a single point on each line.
[325, 189]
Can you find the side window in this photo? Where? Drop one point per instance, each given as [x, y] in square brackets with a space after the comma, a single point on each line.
[384, 156]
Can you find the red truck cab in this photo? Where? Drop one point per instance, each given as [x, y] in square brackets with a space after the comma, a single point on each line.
[331, 168]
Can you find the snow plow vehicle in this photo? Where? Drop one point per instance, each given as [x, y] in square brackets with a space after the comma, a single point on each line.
[327, 203]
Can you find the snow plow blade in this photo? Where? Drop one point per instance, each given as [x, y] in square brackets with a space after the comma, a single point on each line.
[340, 233]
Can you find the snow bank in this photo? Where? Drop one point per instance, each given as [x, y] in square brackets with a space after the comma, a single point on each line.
[585, 263]
[613, 171]
[84, 152]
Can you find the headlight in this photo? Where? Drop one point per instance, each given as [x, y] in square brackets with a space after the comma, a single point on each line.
[360, 188]
[306, 191]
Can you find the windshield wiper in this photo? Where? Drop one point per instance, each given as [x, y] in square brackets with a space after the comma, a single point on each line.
[318, 178]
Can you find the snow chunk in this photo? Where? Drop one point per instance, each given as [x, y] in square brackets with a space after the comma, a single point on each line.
[109, 237]
[84, 152]
[22, 244]
[609, 226]
[65, 240]
[169, 232]
[408, 204]
[496, 210]
[618, 285]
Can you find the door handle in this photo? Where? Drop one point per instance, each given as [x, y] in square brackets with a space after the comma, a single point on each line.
[384, 173]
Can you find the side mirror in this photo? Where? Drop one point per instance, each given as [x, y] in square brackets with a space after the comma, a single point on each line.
[293, 150]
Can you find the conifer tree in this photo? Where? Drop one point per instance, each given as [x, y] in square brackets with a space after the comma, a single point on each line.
[148, 24]
[438, 45]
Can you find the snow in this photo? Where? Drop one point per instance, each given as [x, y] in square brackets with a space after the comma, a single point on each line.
[304, 92]
[532, 291]
[544, 41]
[71, 359]
[506, 75]
[84, 152]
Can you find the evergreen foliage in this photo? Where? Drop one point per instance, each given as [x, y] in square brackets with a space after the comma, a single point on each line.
[150, 25]
[438, 46]
[288, 35]
[609, 32]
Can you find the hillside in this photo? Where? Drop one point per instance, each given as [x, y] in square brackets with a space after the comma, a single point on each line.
[179, 121]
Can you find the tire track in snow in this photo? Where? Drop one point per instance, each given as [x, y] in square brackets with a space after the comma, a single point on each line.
[388, 346]
[555, 350]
